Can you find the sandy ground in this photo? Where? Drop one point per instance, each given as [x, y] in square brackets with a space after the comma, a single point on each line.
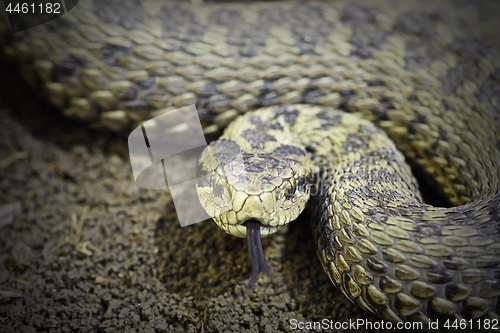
[91, 251]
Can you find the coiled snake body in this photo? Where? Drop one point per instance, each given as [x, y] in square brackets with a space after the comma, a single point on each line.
[322, 72]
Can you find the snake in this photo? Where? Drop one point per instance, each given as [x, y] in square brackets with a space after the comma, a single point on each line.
[323, 103]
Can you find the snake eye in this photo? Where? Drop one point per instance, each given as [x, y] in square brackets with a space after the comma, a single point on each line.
[218, 188]
[290, 188]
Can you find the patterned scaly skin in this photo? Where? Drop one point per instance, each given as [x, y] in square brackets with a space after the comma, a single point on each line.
[386, 250]
[431, 89]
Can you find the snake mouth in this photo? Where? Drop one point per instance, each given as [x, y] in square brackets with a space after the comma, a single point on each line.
[241, 230]
[255, 250]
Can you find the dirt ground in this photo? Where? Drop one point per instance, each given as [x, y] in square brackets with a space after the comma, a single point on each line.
[91, 251]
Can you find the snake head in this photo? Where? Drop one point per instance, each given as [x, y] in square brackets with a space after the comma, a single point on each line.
[270, 188]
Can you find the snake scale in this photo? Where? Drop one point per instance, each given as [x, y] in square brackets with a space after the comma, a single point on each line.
[323, 73]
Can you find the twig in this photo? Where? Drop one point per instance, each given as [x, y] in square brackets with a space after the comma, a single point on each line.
[12, 158]
[87, 309]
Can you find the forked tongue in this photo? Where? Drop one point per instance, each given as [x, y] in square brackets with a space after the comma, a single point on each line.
[256, 253]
